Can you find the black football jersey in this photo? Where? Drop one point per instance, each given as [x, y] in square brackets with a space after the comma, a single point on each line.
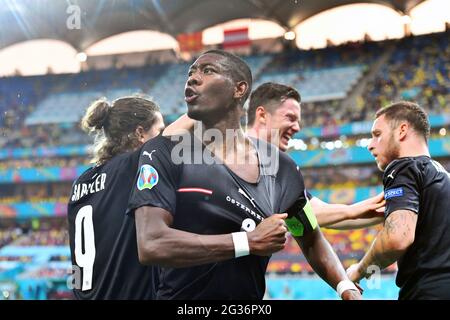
[208, 198]
[103, 241]
[422, 185]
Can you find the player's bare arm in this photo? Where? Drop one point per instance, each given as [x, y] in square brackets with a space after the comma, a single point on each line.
[158, 243]
[390, 244]
[328, 215]
[179, 126]
[324, 261]
[356, 223]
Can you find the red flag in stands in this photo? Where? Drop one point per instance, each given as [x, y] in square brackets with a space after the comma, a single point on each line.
[233, 38]
[190, 41]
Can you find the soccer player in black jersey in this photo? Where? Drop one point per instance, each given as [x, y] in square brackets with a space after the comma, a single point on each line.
[417, 216]
[274, 116]
[102, 237]
[176, 194]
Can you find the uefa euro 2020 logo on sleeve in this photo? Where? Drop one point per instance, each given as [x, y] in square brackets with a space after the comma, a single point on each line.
[148, 177]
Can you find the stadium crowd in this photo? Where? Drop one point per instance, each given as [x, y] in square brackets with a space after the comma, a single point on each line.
[417, 69]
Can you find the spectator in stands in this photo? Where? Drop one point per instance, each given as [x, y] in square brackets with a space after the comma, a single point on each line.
[274, 115]
[417, 190]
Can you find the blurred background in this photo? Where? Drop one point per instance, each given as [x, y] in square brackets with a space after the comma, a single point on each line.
[346, 58]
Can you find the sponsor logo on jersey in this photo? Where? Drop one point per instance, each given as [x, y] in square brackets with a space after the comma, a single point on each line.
[149, 155]
[247, 196]
[391, 175]
[244, 207]
[392, 193]
[148, 177]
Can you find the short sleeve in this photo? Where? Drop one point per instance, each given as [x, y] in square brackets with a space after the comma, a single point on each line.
[401, 189]
[157, 177]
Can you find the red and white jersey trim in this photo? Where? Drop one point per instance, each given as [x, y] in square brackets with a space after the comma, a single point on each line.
[200, 190]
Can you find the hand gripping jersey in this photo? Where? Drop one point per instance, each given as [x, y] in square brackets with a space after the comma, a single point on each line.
[208, 198]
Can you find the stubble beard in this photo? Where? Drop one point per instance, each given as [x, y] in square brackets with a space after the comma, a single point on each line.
[392, 153]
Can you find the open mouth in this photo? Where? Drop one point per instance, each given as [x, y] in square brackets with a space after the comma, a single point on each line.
[190, 95]
[286, 137]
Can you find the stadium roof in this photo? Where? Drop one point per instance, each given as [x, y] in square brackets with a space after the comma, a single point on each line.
[24, 20]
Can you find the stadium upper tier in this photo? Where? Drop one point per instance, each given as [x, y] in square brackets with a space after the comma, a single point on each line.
[339, 85]
[418, 69]
[318, 85]
[168, 90]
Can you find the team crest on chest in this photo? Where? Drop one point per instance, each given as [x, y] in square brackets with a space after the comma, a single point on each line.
[148, 177]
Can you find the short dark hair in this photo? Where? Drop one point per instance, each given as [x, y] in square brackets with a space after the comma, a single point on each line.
[266, 94]
[407, 111]
[240, 71]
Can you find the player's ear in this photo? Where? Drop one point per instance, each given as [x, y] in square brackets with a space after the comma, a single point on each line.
[261, 115]
[403, 129]
[140, 133]
[240, 90]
